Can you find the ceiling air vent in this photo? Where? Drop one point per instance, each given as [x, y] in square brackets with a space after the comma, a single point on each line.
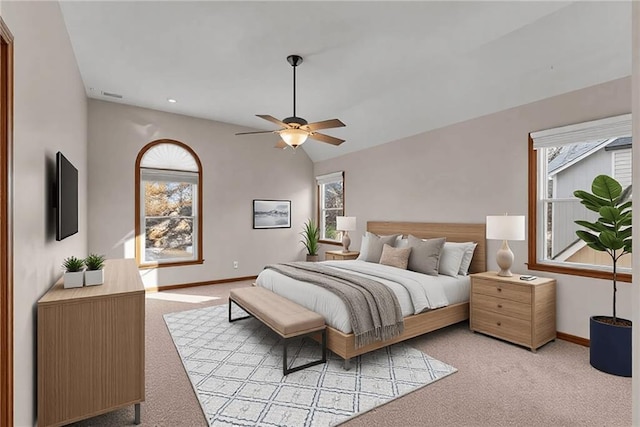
[112, 95]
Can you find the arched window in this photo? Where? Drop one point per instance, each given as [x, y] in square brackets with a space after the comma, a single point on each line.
[168, 205]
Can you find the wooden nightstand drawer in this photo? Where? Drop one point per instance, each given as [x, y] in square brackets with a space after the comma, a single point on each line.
[340, 256]
[502, 289]
[501, 326]
[502, 306]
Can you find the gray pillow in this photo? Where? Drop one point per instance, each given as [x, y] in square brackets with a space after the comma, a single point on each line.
[375, 245]
[425, 255]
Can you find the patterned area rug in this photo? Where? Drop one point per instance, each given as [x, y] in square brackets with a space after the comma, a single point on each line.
[236, 371]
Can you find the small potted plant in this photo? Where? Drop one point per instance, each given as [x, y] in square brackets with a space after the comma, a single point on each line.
[94, 274]
[73, 274]
[310, 239]
[610, 336]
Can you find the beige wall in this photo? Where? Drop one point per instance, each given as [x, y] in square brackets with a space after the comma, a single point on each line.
[464, 172]
[50, 115]
[236, 171]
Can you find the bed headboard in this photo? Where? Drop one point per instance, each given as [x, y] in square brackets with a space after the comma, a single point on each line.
[452, 231]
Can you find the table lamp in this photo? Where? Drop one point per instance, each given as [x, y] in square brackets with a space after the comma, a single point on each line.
[505, 227]
[345, 224]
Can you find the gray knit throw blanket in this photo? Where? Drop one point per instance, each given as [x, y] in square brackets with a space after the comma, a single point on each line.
[374, 310]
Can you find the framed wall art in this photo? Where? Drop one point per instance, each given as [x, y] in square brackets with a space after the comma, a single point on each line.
[272, 214]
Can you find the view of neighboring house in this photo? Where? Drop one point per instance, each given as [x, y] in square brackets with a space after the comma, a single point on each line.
[573, 167]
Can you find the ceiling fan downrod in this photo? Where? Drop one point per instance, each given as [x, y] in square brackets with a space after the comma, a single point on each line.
[294, 60]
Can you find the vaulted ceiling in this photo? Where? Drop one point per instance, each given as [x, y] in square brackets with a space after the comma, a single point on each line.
[387, 69]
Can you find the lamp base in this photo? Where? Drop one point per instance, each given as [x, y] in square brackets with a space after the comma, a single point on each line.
[504, 258]
[346, 241]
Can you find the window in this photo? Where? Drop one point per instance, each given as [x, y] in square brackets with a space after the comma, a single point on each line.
[330, 204]
[563, 160]
[168, 211]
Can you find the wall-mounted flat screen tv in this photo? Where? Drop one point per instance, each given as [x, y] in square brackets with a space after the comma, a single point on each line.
[66, 198]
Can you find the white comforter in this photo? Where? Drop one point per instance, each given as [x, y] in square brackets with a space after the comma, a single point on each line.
[416, 292]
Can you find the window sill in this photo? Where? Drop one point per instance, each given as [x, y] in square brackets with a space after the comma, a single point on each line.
[330, 242]
[583, 272]
[169, 264]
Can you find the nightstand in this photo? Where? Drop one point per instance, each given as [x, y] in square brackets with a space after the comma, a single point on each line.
[519, 311]
[340, 256]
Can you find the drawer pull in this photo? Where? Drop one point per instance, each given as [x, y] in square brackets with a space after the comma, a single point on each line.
[498, 323]
[499, 289]
[499, 305]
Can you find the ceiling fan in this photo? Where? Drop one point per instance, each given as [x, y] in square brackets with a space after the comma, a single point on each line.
[295, 130]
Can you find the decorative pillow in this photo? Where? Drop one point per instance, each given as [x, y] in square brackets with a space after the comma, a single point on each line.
[425, 255]
[466, 259]
[363, 248]
[451, 258]
[375, 245]
[395, 257]
[402, 243]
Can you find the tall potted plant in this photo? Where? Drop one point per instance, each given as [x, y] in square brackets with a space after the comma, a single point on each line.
[310, 239]
[610, 336]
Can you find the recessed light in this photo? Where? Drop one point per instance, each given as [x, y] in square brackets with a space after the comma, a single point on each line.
[171, 100]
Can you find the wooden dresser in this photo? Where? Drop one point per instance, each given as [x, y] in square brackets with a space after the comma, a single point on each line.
[340, 256]
[91, 347]
[522, 312]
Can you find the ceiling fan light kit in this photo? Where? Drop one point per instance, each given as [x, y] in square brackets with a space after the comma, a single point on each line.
[296, 130]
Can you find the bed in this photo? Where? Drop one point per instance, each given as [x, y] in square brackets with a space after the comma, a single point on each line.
[339, 338]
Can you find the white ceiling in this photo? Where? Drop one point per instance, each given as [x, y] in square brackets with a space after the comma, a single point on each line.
[387, 69]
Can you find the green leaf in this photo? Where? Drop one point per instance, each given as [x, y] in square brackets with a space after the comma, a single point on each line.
[625, 205]
[587, 237]
[594, 226]
[610, 214]
[611, 241]
[592, 202]
[606, 187]
[625, 234]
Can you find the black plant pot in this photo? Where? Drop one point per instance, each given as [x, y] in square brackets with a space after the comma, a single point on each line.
[610, 348]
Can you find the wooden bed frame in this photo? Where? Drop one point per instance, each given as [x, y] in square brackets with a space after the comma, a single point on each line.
[344, 344]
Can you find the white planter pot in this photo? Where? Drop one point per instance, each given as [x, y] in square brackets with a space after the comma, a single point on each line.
[93, 277]
[73, 280]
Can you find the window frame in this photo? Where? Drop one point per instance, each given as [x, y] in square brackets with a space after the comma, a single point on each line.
[197, 213]
[320, 210]
[533, 211]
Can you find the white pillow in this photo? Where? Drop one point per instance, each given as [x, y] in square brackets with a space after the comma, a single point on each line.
[364, 248]
[466, 259]
[451, 258]
[402, 243]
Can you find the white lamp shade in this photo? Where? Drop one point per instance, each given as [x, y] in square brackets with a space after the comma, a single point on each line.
[294, 137]
[345, 223]
[505, 227]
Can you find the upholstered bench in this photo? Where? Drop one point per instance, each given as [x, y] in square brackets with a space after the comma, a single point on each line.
[286, 318]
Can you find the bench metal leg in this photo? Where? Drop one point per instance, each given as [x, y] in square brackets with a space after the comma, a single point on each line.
[347, 364]
[137, 413]
[239, 318]
[285, 365]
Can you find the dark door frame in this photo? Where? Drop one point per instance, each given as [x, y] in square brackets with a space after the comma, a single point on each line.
[6, 225]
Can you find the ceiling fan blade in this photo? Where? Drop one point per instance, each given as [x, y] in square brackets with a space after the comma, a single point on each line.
[252, 133]
[326, 138]
[273, 120]
[281, 144]
[325, 124]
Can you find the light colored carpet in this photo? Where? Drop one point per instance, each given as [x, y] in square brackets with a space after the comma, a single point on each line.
[236, 370]
[497, 383]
